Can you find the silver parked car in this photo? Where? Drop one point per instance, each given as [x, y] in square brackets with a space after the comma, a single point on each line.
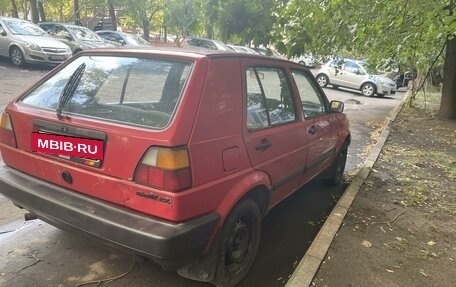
[205, 44]
[24, 42]
[77, 37]
[124, 39]
[355, 75]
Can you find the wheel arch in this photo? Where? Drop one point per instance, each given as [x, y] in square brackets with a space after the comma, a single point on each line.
[255, 186]
[368, 82]
[15, 45]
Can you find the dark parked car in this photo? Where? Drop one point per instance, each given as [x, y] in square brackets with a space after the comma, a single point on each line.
[173, 154]
[77, 37]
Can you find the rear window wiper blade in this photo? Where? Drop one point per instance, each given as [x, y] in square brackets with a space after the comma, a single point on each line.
[70, 88]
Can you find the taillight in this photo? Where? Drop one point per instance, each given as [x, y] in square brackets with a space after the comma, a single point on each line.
[6, 131]
[165, 168]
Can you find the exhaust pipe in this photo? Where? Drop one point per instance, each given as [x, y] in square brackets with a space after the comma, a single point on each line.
[30, 216]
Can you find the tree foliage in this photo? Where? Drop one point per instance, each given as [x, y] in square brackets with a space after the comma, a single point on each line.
[408, 33]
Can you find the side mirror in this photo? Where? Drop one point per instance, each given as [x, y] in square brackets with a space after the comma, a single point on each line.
[337, 106]
[2, 31]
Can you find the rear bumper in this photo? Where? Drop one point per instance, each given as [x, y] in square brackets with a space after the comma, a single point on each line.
[171, 245]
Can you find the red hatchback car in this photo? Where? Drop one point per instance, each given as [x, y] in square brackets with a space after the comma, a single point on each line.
[175, 155]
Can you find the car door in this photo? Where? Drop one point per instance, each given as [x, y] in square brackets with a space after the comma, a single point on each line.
[353, 74]
[274, 135]
[319, 122]
[335, 71]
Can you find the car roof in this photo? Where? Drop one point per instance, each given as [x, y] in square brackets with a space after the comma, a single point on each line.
[185, 52]
[109, 31]
[63, 24]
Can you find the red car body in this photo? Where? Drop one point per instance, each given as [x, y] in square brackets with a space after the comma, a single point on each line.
[167, 191]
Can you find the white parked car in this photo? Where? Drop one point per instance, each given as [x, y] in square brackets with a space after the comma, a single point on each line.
[307, 60]
[355, 75]
[24, 42]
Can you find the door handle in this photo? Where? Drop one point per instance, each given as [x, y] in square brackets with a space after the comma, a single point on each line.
[312, 130]
[264, 145]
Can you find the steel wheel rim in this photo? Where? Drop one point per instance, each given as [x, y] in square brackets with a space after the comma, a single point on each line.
[239, 244]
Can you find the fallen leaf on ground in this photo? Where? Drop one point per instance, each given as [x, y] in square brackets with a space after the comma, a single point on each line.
[390, 271]
[366, 243]
[430, 243]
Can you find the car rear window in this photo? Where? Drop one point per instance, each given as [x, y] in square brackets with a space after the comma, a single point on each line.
[129, 90]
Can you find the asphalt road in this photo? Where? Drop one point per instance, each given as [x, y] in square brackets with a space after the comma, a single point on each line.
[34, 253]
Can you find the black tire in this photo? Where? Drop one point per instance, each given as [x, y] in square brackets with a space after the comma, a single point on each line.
[322, 80]
[240, 238]
[368, 89]
[380, 95]
[336, 172]
[16, 57]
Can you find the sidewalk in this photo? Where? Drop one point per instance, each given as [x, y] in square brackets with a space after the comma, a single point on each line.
[400, 229]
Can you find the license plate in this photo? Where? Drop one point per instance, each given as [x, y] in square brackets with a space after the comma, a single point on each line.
[66, 146]
[57, 57]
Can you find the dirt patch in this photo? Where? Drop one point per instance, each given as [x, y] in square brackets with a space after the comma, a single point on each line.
[401, 228]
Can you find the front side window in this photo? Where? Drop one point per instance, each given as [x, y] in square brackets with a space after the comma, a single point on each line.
[127, 90]
[61, 32]
[313, 103]
[84, 34]
[352, 67]
[269, 98]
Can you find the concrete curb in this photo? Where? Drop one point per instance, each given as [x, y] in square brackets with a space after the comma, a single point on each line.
[310, 263]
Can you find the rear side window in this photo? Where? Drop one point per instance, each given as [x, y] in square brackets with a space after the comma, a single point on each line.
[128, 90]
[269, 99]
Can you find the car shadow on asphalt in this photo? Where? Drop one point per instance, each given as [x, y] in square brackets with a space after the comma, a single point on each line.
[5, 63]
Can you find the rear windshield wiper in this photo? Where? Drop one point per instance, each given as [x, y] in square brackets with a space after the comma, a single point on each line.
[69, 89]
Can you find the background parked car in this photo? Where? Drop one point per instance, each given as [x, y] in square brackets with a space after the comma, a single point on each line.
[205, 43]
[77, 37]
[242, 49]
[307, 60]
[355, 75]
[124, 39]
[22, 41]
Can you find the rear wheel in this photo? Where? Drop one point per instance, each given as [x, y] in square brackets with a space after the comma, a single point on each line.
[322, 80]
[368, 89]
[336, 173]
[239, 244]
[16, 56]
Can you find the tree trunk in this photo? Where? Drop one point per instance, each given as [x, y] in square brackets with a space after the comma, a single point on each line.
[34, 10]
[77, 15]
[41, 11]
[448, 102]
[14, 9]
[112, 14]
[146, 29]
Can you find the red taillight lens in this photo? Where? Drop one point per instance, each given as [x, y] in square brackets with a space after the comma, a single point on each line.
[6, 131]
[165, 168]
